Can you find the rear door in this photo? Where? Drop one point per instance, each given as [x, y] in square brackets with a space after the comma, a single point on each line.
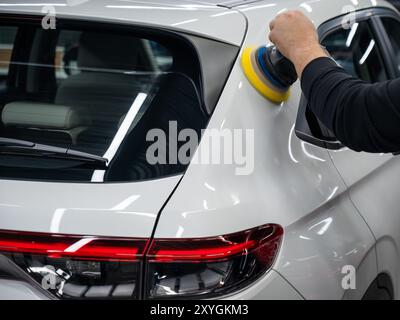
[361, 51]
[366, 51]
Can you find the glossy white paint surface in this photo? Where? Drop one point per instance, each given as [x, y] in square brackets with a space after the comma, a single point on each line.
[354, 166]
[293, 184]
[193, 17]
[318, 248]
[125, 210]
[18, 290]
[377, 197]
[372, 180]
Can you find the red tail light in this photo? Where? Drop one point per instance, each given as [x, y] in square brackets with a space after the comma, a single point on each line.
[101, 267]
[76, 266]
[82, 248]
[210, 266]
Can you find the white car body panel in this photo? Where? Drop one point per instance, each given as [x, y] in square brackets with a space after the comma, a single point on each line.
[19, 290]
[376, 196]
[124, 210]
[191, 17]
[294, 184]
[330, 203]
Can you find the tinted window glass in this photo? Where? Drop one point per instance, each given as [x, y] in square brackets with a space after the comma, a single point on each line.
[66, 59]
[92, 91]
[392, 27]
[7, 36]
[356, 50]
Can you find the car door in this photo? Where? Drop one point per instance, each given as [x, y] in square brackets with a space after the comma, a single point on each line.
[367, 51]
[359, 49]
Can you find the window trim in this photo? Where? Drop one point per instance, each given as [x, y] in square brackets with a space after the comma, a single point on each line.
[371, 16]
[391, 52]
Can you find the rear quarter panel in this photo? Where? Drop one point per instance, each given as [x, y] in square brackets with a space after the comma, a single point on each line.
[293, 184]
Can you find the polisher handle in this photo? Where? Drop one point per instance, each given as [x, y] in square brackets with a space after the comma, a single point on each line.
[283, 67]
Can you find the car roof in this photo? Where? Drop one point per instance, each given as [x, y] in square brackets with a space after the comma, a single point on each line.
[223, 20]
[223, 3]
[205, 18]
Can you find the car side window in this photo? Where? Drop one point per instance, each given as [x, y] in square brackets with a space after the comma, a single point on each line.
[356, 50]
[392, 27]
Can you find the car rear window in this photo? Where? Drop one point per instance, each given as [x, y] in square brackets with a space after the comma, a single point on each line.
[96, 89]
[7, 37]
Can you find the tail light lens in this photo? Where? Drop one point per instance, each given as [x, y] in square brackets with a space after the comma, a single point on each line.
[211, 266]
[96, 267]
[78, 267]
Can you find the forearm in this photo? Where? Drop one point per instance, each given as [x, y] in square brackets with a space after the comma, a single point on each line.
[320, 83]
[363, 116]
[301, 57]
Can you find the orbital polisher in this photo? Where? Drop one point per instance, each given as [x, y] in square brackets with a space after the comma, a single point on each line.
[269, 72]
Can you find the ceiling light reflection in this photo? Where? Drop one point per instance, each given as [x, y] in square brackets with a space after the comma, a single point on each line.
[367, 52]
[352, 34]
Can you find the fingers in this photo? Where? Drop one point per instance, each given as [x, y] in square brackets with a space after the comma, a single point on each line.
[272, 37]
[282, 19]
[272, 25]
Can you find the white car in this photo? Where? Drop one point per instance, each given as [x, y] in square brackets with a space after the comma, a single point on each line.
[87, 88]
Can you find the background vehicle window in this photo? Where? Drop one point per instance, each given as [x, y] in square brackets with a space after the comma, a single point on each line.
[66, 59]
[7, 36]
[95, 91]
[162, 56]
[356, 50]
[392, 27]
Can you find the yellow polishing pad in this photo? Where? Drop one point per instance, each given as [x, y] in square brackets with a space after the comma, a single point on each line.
[261, 84]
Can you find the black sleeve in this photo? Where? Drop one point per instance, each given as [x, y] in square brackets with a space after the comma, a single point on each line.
[363, 116]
